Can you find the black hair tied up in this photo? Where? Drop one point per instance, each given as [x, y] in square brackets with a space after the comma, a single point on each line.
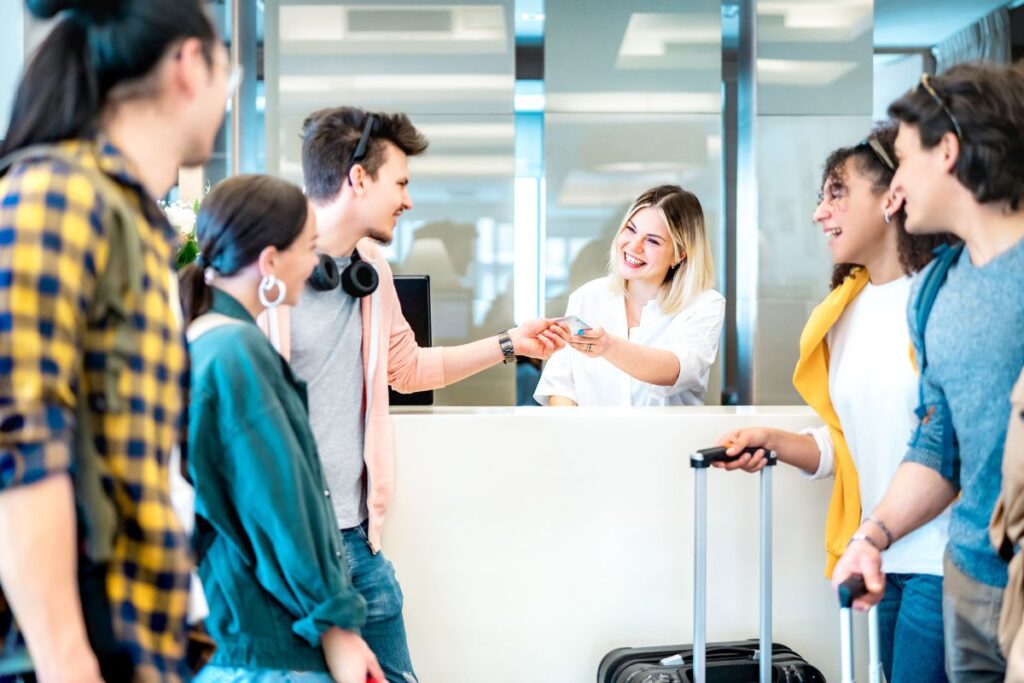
[241, 217]
[85, 11]
[95, 47]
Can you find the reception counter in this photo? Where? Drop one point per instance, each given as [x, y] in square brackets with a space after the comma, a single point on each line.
[531, 541]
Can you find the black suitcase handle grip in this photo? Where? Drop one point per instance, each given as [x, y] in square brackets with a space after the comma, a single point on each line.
[706, 456]
[851, 589]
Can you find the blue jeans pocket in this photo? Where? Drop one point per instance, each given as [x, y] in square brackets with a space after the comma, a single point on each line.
[373, 576]
[383, 594]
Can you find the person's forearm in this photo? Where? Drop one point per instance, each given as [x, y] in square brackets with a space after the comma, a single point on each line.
[916, 495]
[798, 450]
[468, 359]
[561, 401]
[38, 573]
[653, 366]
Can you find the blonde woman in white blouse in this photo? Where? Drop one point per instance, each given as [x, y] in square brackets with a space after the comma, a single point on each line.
[654, 321]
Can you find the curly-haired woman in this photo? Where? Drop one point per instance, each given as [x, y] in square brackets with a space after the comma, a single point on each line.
[855, 370]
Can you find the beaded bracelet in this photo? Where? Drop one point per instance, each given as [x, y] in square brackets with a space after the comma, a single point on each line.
[884, 528]
[863, 537]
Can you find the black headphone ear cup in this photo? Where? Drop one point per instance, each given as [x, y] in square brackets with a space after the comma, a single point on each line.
[325, 276]
[359, 279]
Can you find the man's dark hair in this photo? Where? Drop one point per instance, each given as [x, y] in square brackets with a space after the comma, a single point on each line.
[915, 251]
[987, 104]
[330, 137]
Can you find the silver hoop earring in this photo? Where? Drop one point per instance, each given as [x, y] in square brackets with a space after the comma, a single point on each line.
[268, 283]
[209, 275]
[887, 210]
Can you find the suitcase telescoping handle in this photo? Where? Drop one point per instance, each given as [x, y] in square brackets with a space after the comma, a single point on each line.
[700, 461]
[849, 590]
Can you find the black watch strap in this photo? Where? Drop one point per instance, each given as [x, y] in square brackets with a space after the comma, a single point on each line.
[505, 342]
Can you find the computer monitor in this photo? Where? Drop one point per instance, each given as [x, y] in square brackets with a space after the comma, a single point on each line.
[414, 298]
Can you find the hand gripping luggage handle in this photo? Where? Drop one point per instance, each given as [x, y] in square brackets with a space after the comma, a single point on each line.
[700, 461]
[849, 590]
[705, 457]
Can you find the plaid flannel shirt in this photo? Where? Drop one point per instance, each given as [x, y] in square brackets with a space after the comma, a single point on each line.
[52, 245]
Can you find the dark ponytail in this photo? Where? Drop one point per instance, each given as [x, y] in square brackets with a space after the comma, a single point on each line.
[96, 46]
[240, 218]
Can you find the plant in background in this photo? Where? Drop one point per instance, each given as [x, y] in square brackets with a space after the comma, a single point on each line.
[182, 216]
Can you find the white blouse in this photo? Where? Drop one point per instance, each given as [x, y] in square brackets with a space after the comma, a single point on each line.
[692, 334]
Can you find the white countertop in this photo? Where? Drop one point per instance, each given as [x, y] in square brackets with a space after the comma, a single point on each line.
[765, 412]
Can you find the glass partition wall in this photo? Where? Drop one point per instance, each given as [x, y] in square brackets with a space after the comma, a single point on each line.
[633, 101]
[546, 119]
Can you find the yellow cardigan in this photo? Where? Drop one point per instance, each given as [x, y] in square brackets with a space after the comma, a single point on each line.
[810, 378]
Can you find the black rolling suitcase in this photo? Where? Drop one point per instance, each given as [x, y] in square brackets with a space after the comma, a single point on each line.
[725, 662]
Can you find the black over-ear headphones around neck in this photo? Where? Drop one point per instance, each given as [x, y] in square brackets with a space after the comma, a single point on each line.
[359, 278]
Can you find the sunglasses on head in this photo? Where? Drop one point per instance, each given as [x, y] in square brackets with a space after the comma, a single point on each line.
[879, 150]
[926, 83]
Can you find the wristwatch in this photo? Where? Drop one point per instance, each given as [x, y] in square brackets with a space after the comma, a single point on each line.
[505, 342]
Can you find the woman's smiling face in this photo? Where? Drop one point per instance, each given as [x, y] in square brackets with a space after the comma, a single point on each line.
[644, 247]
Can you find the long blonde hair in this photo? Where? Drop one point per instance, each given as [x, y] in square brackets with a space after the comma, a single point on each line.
[684, 219]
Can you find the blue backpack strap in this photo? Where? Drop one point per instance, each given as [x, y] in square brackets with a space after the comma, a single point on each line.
[945, 256]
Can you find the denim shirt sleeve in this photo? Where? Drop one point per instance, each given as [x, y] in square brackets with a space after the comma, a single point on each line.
[264, 476]
[934, 439]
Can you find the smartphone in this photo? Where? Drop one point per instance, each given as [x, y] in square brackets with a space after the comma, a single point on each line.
[575, 323]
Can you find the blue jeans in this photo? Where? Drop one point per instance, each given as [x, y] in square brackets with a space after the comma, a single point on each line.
[910, 625]
[374, 577]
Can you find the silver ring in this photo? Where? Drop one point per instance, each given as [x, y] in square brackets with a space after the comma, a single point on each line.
[589, 347]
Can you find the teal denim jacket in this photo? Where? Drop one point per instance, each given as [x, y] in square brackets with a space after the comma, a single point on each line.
[270, 554]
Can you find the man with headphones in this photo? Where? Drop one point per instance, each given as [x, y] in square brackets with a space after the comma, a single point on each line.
[348, 340]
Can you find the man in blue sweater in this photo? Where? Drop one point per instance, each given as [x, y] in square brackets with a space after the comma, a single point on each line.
[961, 169]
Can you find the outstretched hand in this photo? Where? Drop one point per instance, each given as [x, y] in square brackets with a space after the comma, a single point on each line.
[538, 338]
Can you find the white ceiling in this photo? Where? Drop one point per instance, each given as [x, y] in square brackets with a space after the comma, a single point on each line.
[923, 23]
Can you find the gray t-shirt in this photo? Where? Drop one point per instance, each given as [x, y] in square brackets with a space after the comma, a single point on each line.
[327, 353]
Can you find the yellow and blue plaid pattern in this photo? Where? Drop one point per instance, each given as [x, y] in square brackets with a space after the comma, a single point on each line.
[52, 245]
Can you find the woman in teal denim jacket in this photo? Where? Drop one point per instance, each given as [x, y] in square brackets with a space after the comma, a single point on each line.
[270, 559]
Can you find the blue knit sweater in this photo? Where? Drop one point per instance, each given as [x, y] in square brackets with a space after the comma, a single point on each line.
[975, 344]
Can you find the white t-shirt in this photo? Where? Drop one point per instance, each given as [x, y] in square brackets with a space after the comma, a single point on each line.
[873, 387]
[692, 334]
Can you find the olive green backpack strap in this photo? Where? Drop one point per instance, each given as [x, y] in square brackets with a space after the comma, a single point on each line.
[117, 284]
